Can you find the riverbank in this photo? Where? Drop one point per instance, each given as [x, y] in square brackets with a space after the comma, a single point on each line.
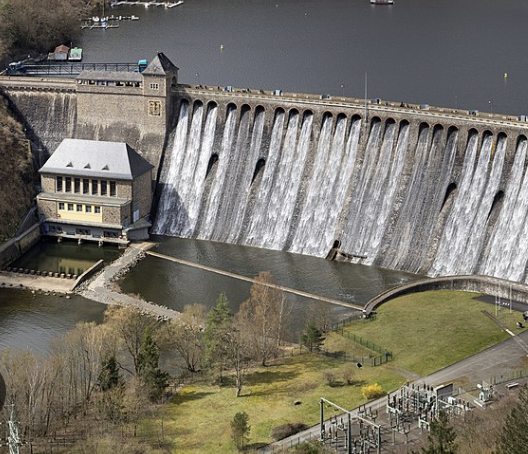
[104, 289]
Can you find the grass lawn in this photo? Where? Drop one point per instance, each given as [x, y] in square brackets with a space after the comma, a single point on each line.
[199, 417]
[431, 330]
[425, 331]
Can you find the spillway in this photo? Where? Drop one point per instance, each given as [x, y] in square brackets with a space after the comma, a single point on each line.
[403, 195]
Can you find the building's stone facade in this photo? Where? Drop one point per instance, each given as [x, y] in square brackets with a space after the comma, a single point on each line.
[75, 204]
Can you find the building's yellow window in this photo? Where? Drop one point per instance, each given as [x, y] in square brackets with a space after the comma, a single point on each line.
[61, 205]
[70, 206]
[88, 208]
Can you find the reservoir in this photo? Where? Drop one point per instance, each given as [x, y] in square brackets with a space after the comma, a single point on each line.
[446, 53]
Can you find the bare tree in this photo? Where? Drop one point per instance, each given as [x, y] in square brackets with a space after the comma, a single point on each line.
[185, 336]
[237, 355]
[129, 325]
[262, 317]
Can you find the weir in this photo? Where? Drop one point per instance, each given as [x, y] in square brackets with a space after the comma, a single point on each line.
[433, 190]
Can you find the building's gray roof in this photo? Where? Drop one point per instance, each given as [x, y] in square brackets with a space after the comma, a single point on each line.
[118, 76]
[160, 66]
[92, 158]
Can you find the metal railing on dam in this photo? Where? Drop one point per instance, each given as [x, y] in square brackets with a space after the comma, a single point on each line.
[500, 288]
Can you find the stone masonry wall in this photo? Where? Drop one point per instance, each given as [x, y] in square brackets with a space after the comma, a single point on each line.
[142, 190]
[47, 208]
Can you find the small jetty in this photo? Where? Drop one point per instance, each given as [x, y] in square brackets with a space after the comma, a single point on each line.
[148, 4]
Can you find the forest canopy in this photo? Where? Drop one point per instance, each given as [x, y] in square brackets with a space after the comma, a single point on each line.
[29, 26]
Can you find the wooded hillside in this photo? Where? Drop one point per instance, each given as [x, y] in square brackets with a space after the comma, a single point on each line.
[17, 173]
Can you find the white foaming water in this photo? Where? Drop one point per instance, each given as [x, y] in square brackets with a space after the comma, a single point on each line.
[385, 199]
[455, 232]
[277, 218]
[359, 194]
[369, 221]
[504, 245]
[468, 261]
[392, 200]
[224, 158]
[258, 230]
[325, 194]
[242, 191]
[170, 205]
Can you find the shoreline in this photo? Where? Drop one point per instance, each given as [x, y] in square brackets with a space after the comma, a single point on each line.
[103, 288]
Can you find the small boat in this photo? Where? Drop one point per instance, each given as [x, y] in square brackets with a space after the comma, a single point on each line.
[95, 19]
[134, 17]
[382, 2]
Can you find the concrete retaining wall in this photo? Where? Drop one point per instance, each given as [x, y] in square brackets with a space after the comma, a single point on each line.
[17, 246]
[88, 273]
[479, 284]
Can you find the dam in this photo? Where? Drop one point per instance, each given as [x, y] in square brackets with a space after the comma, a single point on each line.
[406, 187]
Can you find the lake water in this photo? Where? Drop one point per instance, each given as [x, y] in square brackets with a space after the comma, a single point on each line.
[444, 52]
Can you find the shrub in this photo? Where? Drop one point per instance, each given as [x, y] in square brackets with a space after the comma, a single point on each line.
[310, 448]
[286, 430]
[348, 375]
[329, 377]
[372, 391]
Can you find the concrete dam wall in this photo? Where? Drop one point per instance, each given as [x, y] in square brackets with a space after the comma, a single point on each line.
[428, 191]
[55, 109]
[432, 191]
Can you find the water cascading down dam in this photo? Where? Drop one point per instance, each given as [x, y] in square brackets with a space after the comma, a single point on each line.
[405, 194]
[435, 191]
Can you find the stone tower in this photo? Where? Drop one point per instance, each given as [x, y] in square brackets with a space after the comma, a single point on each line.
[159, 78]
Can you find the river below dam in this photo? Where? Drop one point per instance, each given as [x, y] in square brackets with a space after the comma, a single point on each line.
[447, 53]
[31, 320]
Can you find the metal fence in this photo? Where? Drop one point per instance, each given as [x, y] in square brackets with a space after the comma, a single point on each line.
[507, 376]
[364, 342]
[367, 360]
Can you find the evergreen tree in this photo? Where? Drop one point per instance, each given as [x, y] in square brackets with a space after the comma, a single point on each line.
[514, 436]
[149, 370]
[441, 437]
[240, 430]
[109, 377]
[218, 327]
[312, 337]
